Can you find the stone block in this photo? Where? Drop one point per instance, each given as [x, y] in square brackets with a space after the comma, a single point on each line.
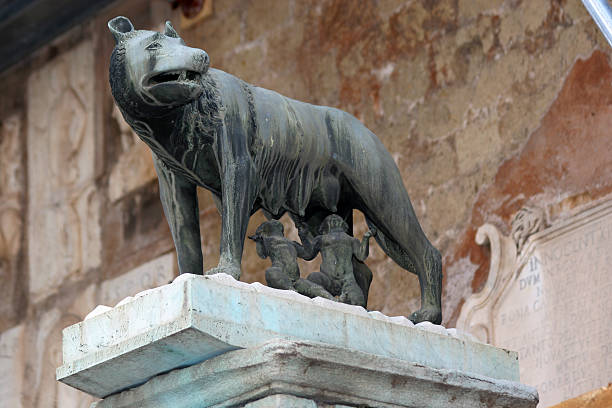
[134, 167]
[42, 348]
[272, 374]
[199, 317]
[12, 366]
[156, 272]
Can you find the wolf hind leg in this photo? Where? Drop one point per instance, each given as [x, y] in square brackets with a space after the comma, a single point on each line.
[430, 280]
[428, 268]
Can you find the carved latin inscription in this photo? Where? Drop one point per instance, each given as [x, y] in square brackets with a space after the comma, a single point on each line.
[554, 306]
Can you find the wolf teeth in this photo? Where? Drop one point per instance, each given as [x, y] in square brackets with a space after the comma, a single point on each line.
[183, 76]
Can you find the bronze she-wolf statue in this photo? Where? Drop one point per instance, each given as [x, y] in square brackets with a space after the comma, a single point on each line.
[256, 149]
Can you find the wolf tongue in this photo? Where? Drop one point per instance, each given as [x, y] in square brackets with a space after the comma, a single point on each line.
[183, 76]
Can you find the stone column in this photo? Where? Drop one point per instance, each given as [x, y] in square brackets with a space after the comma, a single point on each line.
[212, 341]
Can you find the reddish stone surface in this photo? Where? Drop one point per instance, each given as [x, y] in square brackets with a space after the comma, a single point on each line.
[357, 34]
[599, 398]
[189, 8]
[565, 162]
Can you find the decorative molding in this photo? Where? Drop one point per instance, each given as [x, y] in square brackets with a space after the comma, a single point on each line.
[11, 189]
[476, 313]
[527, 222]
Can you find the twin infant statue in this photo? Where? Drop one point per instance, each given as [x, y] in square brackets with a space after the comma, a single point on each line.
[336, 280]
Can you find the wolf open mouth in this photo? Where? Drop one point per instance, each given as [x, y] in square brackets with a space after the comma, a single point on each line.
[174, 76]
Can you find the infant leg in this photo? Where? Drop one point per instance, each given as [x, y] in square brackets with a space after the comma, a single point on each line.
[352, 294]
[322, 280]
[275, 278]
[311, 289]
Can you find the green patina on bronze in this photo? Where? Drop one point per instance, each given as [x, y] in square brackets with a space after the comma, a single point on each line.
[256, 149]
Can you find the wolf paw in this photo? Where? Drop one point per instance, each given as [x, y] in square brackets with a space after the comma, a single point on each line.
[232, 270]
[429, 314]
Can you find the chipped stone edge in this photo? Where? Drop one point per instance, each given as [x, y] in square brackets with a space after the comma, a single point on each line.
[297, 297]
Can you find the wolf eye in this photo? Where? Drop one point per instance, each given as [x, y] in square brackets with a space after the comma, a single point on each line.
[153, 46]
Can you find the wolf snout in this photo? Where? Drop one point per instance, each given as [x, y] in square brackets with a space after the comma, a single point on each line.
[202, 61]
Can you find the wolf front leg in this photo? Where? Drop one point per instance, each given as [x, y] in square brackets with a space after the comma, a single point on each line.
[180, 202]
[238, 197]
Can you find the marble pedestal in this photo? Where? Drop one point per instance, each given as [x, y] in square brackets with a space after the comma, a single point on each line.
[211, 341]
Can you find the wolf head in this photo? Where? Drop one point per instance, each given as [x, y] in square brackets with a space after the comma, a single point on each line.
[151, 72]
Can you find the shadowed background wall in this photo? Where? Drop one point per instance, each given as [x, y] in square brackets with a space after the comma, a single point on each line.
[486, 106]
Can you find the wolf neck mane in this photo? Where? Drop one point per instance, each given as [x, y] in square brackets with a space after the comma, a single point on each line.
[188, 126]
[199, 121]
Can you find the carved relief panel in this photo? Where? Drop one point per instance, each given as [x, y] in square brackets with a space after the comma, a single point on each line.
[63, 214]
[551, 301]
[134, 168]
[11, 218]
[43, 352]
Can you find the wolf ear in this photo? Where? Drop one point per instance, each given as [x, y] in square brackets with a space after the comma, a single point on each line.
[119, 26]
[170, 31]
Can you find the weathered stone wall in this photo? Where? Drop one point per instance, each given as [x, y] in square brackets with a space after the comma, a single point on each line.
[485, 105]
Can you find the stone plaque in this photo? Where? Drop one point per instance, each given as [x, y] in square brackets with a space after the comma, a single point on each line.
[552, 303]
[154, 273]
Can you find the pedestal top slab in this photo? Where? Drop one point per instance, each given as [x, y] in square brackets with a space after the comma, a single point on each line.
[196, 318]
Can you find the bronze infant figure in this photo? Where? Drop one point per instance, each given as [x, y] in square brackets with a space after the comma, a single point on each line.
[337, 249]
[284, 272]
[256, 149]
